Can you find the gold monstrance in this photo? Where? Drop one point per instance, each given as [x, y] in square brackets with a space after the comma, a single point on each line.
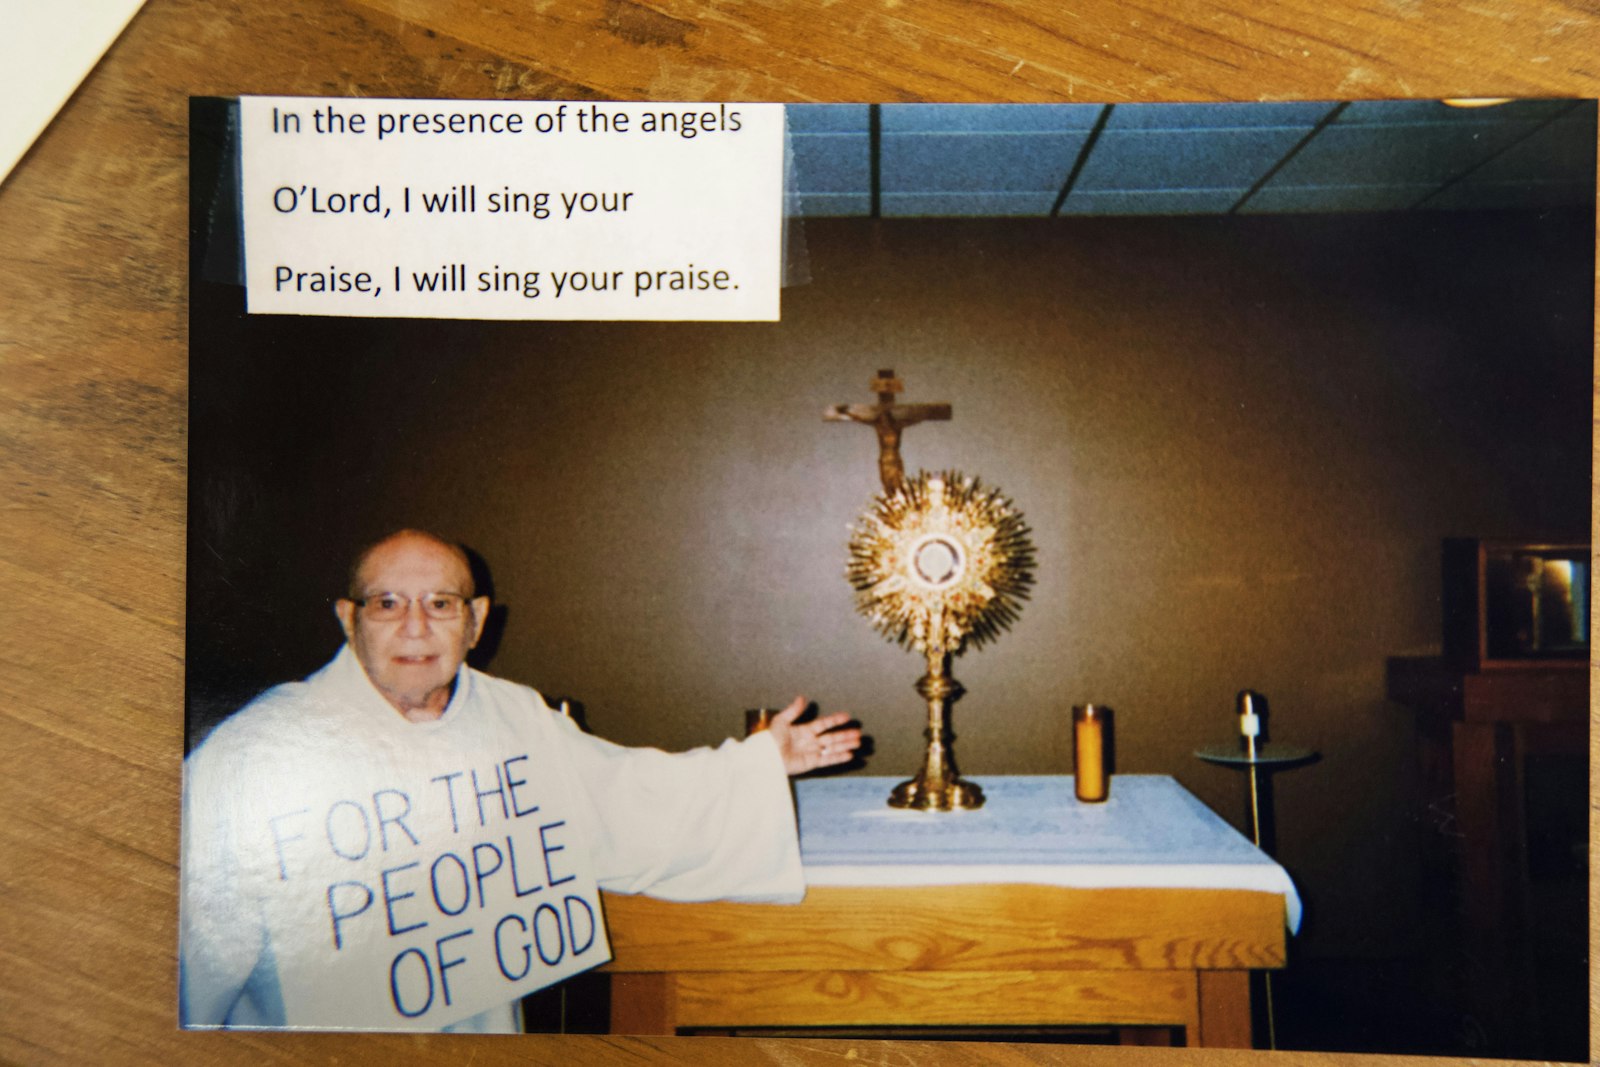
[936, 561]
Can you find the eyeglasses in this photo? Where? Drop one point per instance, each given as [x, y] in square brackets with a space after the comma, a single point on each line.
[390, 607]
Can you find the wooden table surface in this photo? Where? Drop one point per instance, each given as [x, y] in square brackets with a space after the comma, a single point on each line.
[93, 235]
[948, 955]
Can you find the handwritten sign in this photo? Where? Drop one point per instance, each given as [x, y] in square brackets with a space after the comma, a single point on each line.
[423, 902]
[434, 898]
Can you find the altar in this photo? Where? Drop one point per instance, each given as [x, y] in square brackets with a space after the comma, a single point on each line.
[1035, 911]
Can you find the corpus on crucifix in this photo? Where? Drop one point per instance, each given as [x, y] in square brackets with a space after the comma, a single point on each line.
[888, 419]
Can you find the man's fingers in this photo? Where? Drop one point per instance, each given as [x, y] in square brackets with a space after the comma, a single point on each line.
[838, 747]
[846, 740]
[828, 722]
[789, 714]
[842, 751]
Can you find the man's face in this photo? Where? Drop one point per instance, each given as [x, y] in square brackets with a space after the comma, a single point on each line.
[413, 659]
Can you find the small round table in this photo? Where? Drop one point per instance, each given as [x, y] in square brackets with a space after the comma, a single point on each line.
[1253, 757]
[1247, 754]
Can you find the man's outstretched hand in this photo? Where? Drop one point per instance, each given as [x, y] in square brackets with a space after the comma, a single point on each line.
[822, 742]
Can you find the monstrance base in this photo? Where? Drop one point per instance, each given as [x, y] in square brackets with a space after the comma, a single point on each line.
[917, 795]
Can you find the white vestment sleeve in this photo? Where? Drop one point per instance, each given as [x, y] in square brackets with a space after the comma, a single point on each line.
[220, 937]
[709, 824]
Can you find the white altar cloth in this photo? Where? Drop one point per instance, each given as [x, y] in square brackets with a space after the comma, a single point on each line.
[1150, 832]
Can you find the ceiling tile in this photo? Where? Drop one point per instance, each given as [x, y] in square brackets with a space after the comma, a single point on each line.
[1215, 116]
[827, 118]
[831, 162]
[1334, 198]
[1393, 112]
[1396, 155]
[1152, 202]
[988, 118]
[966, 204]
[1561, 151]
[978, 162]
[832, 205]
[1185, 159]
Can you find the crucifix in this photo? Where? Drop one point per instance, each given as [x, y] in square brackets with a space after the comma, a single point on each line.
[889, 419]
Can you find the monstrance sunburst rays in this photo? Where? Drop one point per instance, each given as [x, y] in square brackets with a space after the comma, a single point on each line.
[940, 562]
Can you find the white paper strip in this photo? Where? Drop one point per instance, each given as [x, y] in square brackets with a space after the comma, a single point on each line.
[471, 209]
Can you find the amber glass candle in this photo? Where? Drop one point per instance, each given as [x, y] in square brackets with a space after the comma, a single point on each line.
[1089, 752]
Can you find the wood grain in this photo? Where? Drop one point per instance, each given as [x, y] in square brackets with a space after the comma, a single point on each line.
[937, 998]
[954, 50]
[643, 1004]
[93, 388]
[1007, 955]
[963, 928]
[1225, 1008]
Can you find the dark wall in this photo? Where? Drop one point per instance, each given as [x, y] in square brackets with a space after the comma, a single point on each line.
[1238, 442]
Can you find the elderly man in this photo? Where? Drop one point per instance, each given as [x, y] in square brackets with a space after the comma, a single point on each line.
[403, 842]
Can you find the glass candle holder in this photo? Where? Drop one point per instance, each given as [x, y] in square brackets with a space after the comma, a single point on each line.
[1090, 780]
